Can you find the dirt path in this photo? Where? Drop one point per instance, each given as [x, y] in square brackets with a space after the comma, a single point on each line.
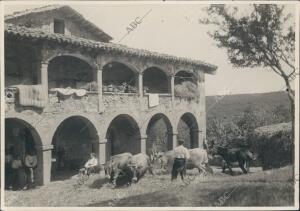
[160, 191]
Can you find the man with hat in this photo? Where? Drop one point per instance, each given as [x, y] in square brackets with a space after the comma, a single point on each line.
[181, 154]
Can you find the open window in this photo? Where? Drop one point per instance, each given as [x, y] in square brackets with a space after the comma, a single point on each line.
[155, 81]
[59, 26]
[71, 72]
[118, 78]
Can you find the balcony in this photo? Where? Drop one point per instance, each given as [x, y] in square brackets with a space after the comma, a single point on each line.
[55, 103]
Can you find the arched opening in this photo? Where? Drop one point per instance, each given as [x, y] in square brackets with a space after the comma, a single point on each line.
[119, 78]
[155, 81]
[71, 72]
[185, 85]
[188, 130]
[159, 134]
[22, 139]
[123, 135]
[73, 142]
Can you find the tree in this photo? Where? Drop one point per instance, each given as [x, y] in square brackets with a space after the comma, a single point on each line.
[249, 121]
[264, 38]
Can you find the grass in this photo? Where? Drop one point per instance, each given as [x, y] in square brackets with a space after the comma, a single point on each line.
[261, 188]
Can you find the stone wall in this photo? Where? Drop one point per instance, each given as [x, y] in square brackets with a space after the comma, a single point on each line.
[45, 22]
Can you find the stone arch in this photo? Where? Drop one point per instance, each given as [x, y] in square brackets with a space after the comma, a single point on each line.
[183, 75]
[84, 58]
[155, 80]
[22, 138]
[159, 131]
[119, 76]
[72, 70]
[73, 140]
[123, 135]
[187, 128]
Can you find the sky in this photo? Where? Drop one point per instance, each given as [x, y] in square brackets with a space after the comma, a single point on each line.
[175, 29]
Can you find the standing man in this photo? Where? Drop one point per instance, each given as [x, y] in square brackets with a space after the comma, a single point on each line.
[181, 155]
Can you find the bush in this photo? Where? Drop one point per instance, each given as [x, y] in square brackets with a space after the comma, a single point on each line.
[274, 145]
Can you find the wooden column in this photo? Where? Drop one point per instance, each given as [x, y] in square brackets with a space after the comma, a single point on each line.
[99, 83]
[173, 87]
[44, 75]
[141, 91]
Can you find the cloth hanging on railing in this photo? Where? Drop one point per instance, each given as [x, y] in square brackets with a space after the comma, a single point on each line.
[153, 100]
[32, 95]
[69, 91]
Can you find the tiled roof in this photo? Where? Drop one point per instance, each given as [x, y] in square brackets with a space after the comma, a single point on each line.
[68, 10]
[21, 31]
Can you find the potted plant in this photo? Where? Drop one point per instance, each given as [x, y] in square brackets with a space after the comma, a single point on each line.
[110, 88]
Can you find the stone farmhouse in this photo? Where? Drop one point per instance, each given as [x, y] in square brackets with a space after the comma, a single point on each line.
[69, 91]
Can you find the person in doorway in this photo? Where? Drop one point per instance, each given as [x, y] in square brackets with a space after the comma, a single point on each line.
[60, 157]
[181, 154]
[18, 173]
[8, 167]
[91, 164]
[30, 164]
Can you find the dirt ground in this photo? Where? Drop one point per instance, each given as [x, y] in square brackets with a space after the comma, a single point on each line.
[274, 186]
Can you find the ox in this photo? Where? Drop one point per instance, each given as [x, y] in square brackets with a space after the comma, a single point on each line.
[198, 159]
[116, 165]
[240, 155]
[140, 164]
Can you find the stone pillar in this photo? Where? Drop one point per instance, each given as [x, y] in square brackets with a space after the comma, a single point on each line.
[143, 144]
[44, 75]
[200, 138]
[102, 151]
[202, 105]
[174, 139]
[99, 83]
[44, 164]
[141, 90]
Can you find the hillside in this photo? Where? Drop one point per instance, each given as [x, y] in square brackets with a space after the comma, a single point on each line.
[228, 107]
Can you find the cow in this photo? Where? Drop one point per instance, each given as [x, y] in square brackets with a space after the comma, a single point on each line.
[114, 166]
[198, 159]
[240, 155]
[140, 164]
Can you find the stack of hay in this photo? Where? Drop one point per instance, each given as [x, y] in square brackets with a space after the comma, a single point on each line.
[186, 89]
[274, 145]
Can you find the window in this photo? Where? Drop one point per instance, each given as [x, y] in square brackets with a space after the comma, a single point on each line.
[59, 26]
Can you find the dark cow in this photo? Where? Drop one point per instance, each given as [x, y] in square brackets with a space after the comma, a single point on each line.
[114, 166]
[198, 159]
[240, 155]
[140, 164]
[125, 176]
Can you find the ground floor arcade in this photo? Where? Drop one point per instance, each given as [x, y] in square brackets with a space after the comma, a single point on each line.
[76, 137]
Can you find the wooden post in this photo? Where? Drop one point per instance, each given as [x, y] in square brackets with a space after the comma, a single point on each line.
[141, 85]
[44, 75]
[99, 83]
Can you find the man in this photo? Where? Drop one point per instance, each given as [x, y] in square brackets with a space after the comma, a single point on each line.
[181, 154]
[90, 164]
[8, 168]
[30, 165]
